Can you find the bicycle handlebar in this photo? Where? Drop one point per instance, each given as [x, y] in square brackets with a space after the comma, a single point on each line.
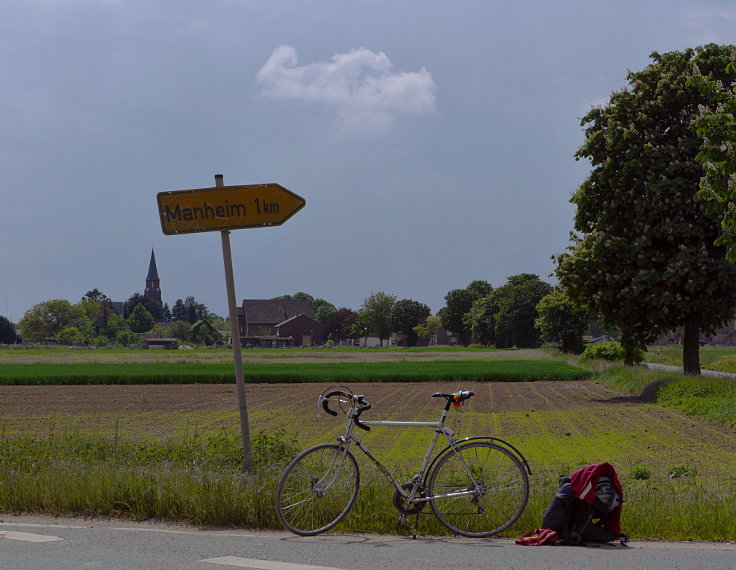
[358, 406]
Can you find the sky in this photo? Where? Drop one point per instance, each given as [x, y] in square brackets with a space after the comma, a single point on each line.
[433, 141]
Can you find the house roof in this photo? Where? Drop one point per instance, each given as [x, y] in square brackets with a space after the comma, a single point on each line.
[295, 317]
[274, 311]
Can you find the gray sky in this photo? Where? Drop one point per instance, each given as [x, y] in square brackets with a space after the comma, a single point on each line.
[433, 141]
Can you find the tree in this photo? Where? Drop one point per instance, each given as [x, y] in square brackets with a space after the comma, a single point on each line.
[457, 303]
[407, 314]
[167, 313]
[339, 324]
[427, 330]
[47, 319]
[153, 307]
[71, 336]
[322, 310]
[94, 295]
[481, 287]
[377, 308]
[517, 310]
[561, 320]
[189, 310]
[126, 338]
[362, 326]
[645, 258]
[181, 330]
[717, 127]
[140, 319]
[7, 331]
[480, 320]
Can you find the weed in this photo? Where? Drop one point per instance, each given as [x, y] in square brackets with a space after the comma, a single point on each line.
[681, 471]
[640, 473]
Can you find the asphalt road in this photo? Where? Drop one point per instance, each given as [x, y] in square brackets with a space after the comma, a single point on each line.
[36, 543]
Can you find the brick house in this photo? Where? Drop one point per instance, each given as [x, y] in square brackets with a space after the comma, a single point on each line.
[278, 323]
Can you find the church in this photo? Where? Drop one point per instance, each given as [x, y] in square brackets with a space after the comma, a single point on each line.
[153, 283]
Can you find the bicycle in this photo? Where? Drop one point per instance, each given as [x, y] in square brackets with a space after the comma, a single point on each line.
[476, 486]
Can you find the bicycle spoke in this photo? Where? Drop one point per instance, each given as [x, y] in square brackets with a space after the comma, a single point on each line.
[480, 490]
[317, 489]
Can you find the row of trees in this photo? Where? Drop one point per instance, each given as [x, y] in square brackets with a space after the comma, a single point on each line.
[523, 312]
[95, 321]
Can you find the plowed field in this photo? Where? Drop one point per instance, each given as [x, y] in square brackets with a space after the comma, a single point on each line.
[557, 425]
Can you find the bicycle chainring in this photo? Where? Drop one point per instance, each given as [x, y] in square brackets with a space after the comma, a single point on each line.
[401, 503]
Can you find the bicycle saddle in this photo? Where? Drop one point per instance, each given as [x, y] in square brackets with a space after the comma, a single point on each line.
[454, 397]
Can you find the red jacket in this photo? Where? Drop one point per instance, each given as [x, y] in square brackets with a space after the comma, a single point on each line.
[583, 483]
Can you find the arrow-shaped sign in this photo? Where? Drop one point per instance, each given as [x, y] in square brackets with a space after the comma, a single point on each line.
[226, 208]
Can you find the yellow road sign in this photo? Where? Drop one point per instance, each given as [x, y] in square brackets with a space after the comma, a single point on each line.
[226, 208]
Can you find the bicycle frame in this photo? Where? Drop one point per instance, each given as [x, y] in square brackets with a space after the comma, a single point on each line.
[439, 428]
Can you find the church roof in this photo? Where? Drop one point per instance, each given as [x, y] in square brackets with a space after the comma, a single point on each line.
[152, 271]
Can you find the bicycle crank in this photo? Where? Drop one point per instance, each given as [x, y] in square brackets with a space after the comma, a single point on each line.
[403, 505]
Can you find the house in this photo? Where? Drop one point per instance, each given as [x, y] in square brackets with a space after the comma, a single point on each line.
[205, 328]
[276, 323]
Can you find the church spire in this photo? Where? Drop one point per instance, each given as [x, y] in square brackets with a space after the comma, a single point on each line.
[152, 271]
[153, 284]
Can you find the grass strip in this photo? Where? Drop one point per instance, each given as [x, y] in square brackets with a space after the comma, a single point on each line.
[198, 373]
[200, 481]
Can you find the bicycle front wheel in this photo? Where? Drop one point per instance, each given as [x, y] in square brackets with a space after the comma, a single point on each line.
[480, 489]
[317, 489]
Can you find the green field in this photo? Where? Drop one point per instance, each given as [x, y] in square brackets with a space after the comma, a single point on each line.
[258, 372]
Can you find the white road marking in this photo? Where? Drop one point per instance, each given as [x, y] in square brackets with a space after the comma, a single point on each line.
[262, 564]
[28, 537]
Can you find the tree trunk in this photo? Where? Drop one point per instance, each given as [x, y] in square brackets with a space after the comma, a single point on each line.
[691, 348]
[629, 349]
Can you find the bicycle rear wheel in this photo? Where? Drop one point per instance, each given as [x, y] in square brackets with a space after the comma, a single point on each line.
[317, 489]
[481, 489]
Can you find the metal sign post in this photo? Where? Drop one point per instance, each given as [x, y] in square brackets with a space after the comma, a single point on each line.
[227, 258]
[225, 208]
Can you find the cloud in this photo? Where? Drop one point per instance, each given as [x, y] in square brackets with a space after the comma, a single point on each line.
[360, 85]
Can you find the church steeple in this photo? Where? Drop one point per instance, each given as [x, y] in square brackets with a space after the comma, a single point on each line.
[153, 284]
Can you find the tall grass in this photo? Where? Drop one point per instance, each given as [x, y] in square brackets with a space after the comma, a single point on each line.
[200, 481]
[385, 371]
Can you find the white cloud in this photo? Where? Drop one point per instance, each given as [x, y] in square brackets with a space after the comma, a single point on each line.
[360, 85]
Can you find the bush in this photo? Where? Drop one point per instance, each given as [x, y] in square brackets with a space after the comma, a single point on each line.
[70, 336]
[610, 350]
[126, 338]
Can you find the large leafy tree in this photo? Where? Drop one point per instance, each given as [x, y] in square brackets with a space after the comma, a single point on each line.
[457, 304]
[517, 303]
[481, 319]
[47, 319]
[407, 314]
[560, 320]
[340, 323]
[644, 258]
[377, 308]
[717, 127]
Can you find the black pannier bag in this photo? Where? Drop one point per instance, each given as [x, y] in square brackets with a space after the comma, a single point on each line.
[587, 506]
